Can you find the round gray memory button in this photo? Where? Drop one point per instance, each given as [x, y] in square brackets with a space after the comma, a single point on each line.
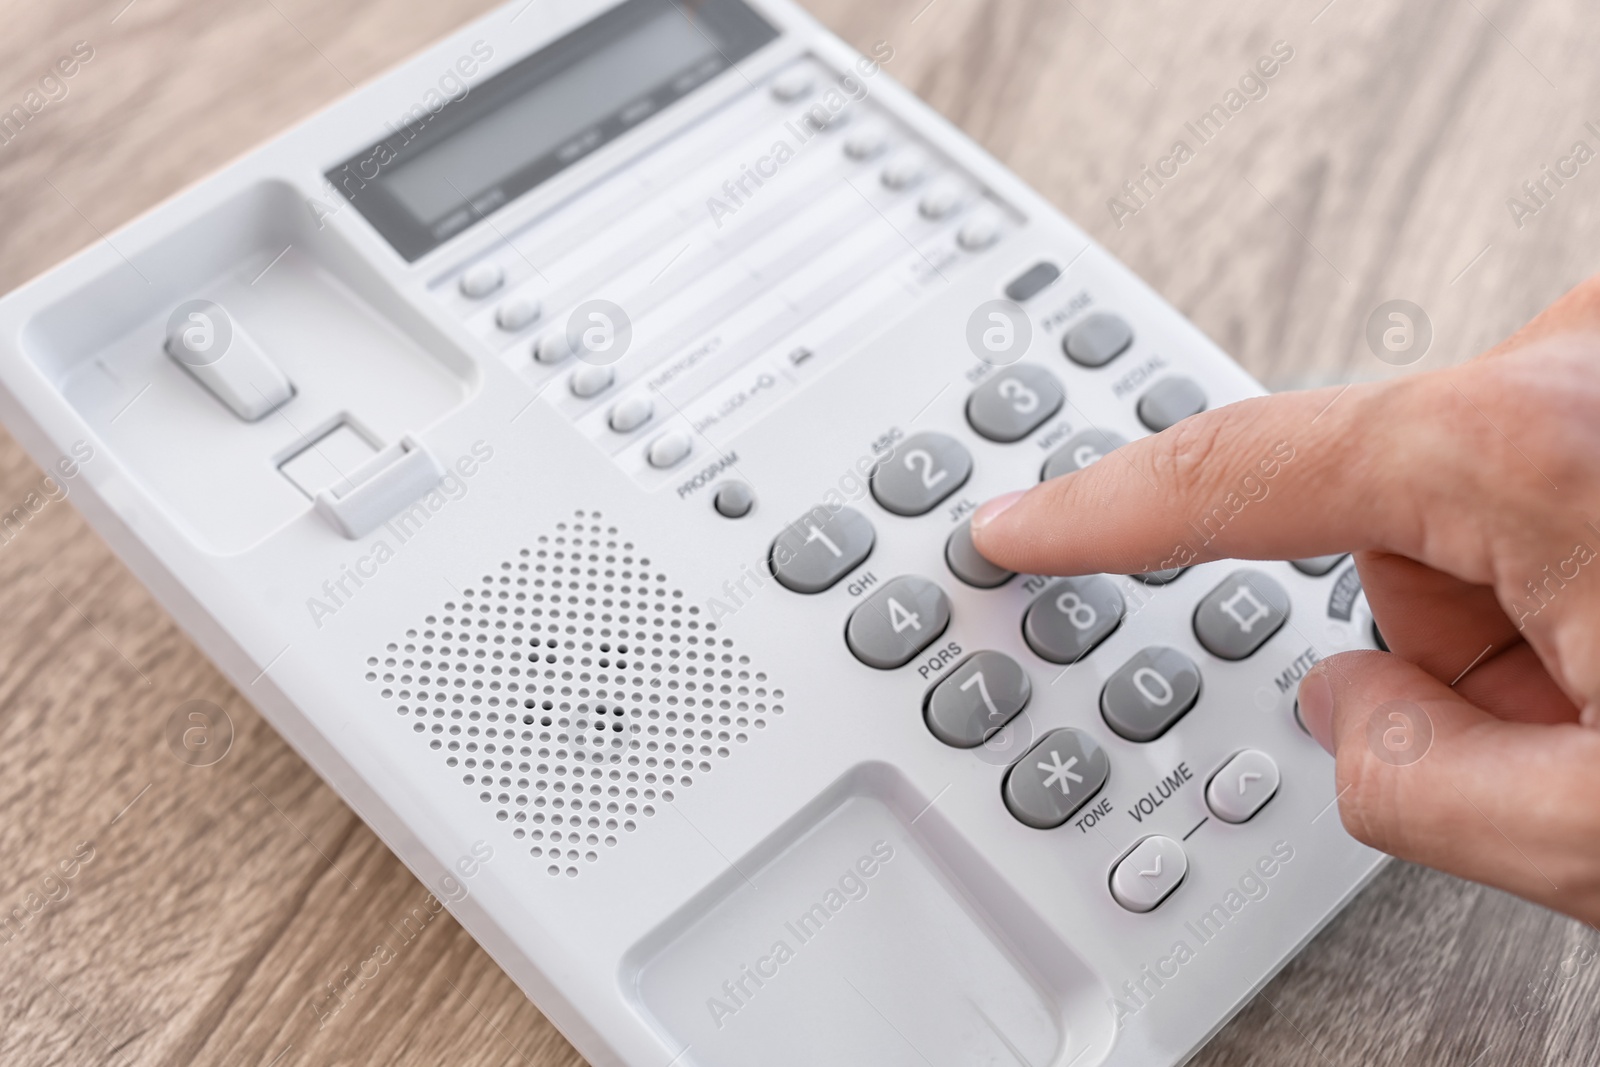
[1149, 693]
[1317, 566]
[1237, 617]
[1169, 401]
[517, 313]
[1055, 778]
[553, 347]
[1097, 340]
[965, 562]
[1082, 449]
[669, 449]
[983, 693]
[898, 621]
[590, 380]
[1014, 403]
[815, 551]
[481, 279]
[1071, 617]
[733, 500]
[923, 470]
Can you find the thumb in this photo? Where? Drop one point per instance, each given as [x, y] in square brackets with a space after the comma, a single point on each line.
[1425, 775]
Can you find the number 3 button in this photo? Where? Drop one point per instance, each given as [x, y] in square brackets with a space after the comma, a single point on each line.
[897, 622]
[1013, 404]
[925, 468]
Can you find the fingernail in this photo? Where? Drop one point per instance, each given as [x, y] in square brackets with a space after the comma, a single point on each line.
[987, 514]
[1316, 708]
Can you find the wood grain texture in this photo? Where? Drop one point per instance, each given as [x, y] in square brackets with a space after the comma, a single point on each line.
[220, 902]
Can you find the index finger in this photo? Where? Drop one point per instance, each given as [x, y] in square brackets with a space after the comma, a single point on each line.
[1281, 477]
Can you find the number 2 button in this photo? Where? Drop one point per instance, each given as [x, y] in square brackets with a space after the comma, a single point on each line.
[898, 621]
[924, 469]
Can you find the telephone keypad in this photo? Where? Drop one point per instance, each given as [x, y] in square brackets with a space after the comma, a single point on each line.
[1014, 403]
[901, 619]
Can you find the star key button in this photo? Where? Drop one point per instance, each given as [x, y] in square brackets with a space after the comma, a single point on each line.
[1055, 778]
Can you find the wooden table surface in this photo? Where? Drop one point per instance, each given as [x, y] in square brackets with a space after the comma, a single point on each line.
[209, 907]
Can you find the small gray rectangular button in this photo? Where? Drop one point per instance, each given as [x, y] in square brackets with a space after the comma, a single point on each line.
[1170, 401]
[1149, 693]
[1071, 617]
[1237, 617]
[1032, 281]
[1055, 778]
[923, 470]
[810, 555]
[1014, 403]
[983, 693]
[898, 621]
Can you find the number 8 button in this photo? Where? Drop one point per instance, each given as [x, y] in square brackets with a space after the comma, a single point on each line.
[898, 621]
[923, 470]
[1072, 617]
[1014, 403]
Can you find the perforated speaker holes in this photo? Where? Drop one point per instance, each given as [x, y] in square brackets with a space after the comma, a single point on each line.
[573, 691]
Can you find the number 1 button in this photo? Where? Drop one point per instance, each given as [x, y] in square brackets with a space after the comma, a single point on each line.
[897, 622]
[814, 552]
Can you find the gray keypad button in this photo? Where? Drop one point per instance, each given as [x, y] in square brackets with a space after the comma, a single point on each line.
[1149, 693]
[1032, 282]
[923, 470]
[1238, 616]
[813, 553]
[1170, 401]
[1055, 778]
[1317, 566]
[966, 564]
[1161, 577]
[1097, 340]
[983, 693]
[898, 621]
[1013, 404]
[1081, 449]
[1071, 617]
[733, 500]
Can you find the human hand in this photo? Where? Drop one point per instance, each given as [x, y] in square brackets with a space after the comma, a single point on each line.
[1470, 497]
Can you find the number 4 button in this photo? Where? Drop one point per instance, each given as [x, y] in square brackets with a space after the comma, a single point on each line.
[897, 622]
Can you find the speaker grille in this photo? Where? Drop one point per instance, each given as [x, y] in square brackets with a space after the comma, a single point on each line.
[574, 691]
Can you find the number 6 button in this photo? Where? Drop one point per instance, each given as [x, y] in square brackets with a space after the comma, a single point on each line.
[980, 696]
[924, 469]
[1013, 404]
[898, 621]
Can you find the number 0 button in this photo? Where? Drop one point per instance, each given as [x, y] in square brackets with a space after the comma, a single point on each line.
[924, 469]
[1071, 617]
[822, 547]
[983, 693]
[1149, 693]
[1013, 404]
[898, 621]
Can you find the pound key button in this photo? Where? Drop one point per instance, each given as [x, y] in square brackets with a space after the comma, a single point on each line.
[812, 554]
[1148, 875]
[898, 621]
[984, 692]
[1055, 778]
[1243, 786]
[1237, 617]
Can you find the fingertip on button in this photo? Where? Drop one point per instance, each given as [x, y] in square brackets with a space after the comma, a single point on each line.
[993, 509]
[1316, 707]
